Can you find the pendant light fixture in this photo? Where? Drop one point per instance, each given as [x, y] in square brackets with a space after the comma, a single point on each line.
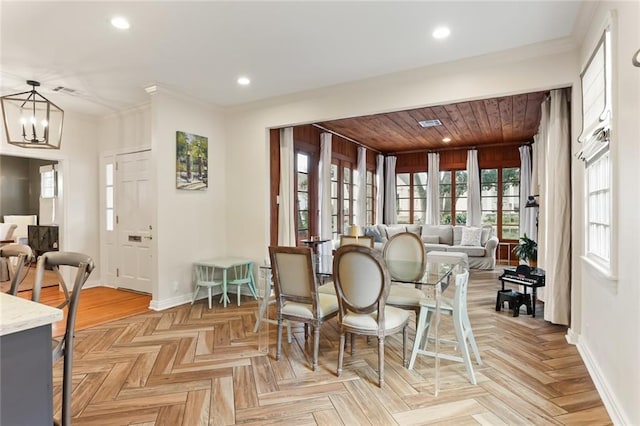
[31, 120]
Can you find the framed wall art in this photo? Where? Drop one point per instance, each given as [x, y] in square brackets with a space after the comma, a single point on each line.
[192, 163]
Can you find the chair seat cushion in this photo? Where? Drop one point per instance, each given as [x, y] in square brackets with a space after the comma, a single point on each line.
[328, 304]
[393, 317]
[327, 288]
[400, 295]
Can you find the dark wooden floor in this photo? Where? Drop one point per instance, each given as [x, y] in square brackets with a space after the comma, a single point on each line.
[193, 366]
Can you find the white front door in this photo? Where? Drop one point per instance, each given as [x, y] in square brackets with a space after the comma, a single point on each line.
[134, 203]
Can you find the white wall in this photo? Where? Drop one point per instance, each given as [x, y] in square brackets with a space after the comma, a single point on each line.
[190, 225]
[78, 162]
[606, 316]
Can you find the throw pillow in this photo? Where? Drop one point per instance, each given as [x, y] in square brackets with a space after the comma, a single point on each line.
[416, 229]
[431, 239]
[391, 231]
[471, 236]
[370, 231]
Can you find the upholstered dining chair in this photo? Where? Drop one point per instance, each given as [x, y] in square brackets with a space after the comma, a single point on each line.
[457, 309]
[362, 282]
[64, 347]
[297, 296]
[407, 251]
[17, 259]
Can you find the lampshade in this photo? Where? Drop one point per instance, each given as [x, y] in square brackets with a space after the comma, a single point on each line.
[31, 120]
[531, 201]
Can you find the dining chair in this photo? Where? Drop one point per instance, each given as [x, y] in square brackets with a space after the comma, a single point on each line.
[297, 296]
[205, 278]
[457, 309]
[242, 274]
[362, 284]
[17, 258]
[63, 348]
[409, 261]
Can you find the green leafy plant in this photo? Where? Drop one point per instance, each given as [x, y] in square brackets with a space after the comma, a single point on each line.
[526, 249]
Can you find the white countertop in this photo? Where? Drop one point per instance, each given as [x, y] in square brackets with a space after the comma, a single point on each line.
[17, 314]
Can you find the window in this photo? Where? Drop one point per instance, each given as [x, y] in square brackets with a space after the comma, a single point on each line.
[596, 125]
[453, 197]
[335, 201]
[302, 195]
[347, 198]
[500, 201]
[370, 198]
[48, 182]
[598, 211]
[109, 215]
[411, 197]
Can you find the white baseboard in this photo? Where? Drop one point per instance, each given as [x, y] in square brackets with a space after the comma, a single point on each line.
[603, 388]
[160, 305]
[572, 337]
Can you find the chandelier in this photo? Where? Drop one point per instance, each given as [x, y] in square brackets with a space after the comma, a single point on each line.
[31, 120]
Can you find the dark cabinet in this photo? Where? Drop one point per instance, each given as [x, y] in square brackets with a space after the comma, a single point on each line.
[43, 238]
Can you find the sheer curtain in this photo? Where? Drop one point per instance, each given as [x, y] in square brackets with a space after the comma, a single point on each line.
[324, 192]
[527, 215]
[433, 189]
[286, 224]
[361, 188]
[379, 189]
[474, 209]
[390, 214]
[554, 231]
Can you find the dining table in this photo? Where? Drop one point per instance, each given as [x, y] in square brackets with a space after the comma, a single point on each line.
[432, 277]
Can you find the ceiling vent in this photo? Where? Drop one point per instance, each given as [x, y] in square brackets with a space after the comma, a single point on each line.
[430, 123]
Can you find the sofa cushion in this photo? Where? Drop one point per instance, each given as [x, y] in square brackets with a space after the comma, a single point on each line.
[416, 229]
[372, 231]
[487, 232]
[444, 232]
[471, 251]
[457, 234]
[431, 239]
[471, 236]
[436, 247]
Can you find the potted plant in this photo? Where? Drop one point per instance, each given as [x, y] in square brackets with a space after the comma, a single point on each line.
[527, 250]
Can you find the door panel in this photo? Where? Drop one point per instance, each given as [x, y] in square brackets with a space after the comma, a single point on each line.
[134, 221]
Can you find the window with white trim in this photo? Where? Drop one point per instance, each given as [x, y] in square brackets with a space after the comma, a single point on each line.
[108, 196]
[596, 126]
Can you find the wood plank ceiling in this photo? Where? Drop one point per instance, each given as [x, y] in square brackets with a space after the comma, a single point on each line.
[494, 121]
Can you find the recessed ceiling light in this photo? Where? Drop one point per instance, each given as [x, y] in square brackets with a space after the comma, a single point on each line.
[441, 32]
[120, 23]
[244, 81]
[446, 140]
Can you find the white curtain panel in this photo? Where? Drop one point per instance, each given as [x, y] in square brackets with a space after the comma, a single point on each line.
[554, 232]
[379, 189]
[286, 224]
[474, 209]
[324, 192]
[527, 215]
[433, 188]
[361, 188]
[390, 214]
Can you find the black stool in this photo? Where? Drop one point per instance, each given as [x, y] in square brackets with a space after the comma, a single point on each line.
[515, 299]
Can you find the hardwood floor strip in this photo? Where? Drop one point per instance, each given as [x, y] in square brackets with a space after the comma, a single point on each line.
[596, 416]
[578, 402]
[348, 410]
[364, 396]
[447, 411]
[282, 411]
[222, 411]
[245, 395]
[327, 418]
[196, 410]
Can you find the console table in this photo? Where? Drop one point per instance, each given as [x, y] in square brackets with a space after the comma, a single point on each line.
[25, 361]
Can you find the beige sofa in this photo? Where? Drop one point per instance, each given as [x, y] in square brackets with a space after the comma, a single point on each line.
[442, 238]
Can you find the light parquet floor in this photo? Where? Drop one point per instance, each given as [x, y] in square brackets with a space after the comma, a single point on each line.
[193, 366]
